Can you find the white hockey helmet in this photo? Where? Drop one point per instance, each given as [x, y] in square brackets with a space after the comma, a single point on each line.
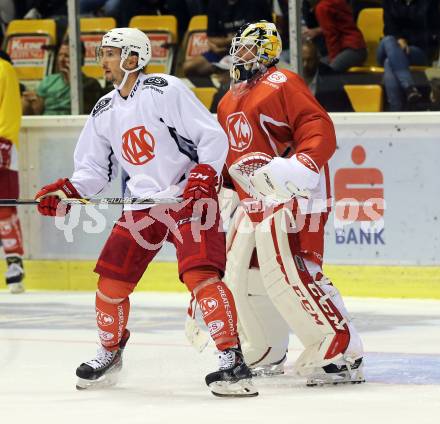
[129, 40]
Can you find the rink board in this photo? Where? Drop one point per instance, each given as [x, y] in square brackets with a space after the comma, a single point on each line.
[360, 281]
[385, 159]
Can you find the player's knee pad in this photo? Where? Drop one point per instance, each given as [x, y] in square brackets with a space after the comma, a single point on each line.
[197, 278]
[263, 333]
[114, 291]
[7, 212]
[304, 305]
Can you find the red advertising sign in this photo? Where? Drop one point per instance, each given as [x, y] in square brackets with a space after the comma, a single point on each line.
[197, 44]
[91, 42]
[159, 52]
[359, 192]
[27, 50]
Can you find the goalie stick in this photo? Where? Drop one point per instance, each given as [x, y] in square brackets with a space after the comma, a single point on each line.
[96, 201]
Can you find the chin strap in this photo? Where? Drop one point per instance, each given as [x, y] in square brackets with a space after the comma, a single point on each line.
[126, 73]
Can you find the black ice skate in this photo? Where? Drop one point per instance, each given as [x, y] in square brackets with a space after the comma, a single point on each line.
[15, 274]
[234, 378]
[103, 370]
[339, 374]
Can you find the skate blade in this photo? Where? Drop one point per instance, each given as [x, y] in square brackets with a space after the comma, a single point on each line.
[262, 372]
[241, 388]
[334, 380]
[103, 382]
[16, 288]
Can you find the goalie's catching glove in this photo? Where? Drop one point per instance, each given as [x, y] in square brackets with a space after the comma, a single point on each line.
[283, 179]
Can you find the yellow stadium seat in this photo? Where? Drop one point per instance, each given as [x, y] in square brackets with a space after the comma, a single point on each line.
[205, 95]
[162, 31]
[101, 25]
[196, 39]
[198, 23]
[92, 30]
[156, 68]
[365, 98]
[370, 22]
[26, 42]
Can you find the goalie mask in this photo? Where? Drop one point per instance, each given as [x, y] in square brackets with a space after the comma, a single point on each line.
[255, 48]
[130, 41]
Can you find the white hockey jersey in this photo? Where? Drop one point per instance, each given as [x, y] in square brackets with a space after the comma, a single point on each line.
[157, 135]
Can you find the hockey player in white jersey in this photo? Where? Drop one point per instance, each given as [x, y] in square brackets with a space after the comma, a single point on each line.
[170, 146]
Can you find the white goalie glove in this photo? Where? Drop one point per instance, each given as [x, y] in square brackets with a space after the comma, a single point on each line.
[283, 179]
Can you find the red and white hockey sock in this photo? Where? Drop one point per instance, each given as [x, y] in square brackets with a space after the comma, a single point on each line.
[112, 310]
[112, 319]
[10, 232]
[216, 304]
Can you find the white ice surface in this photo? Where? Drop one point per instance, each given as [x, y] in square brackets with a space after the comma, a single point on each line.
[45, 336]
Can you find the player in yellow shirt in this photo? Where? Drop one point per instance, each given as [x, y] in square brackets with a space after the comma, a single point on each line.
[10, 231]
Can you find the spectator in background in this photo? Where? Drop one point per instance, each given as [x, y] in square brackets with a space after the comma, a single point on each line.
[345, 44]
[132, 8]
[223, 78]
[225, 17]
[100, 7]
[53, 93]
[281, 12]
[45, 8]
[326, 85]
[10, 118]
[411, 29]
[7, 13]
[53, 9]
[311, 30]
[184, 10]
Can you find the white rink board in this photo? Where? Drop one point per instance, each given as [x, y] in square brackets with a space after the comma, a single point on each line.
[403, 151]
[402, 148]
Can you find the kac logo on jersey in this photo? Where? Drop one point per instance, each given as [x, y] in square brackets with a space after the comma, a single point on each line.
[138, 146]
[277, 77]
[239, 131]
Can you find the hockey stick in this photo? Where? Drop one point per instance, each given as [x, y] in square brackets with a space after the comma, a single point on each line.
[96, 201]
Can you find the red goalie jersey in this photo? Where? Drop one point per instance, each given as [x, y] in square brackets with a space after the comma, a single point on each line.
[279, 116]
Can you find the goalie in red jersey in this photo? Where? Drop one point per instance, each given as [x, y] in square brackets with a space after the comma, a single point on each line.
[280, 140]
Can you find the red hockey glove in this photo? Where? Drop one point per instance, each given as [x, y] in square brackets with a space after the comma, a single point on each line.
[201, 183]
[5, 153]
[51, 194]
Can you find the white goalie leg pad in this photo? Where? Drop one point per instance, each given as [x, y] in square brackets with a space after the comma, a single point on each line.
[355, 348]
[275, 334]
[307, 309]
[263, 334]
